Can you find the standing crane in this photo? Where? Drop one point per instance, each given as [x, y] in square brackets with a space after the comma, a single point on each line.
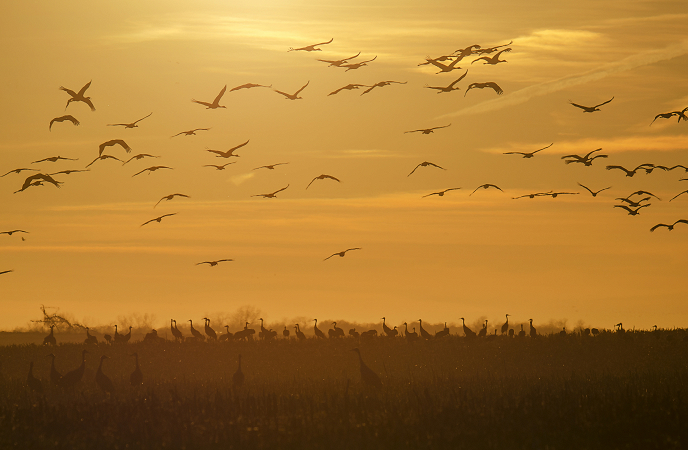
[318, 333]
[175, 331]
[467, 331]
[522, 333]
[368, 377]
[90, 339]
[126, 337]
[285, 333]
[196, 334]
[336, 331]
[50, 339]
[386, 329]
[136, 377]
[410, 336]
[227, 336]
[55, 376]
[533, 331]
[483, 331]
[505, 327]
[209, 331]
[424, 334]
[103, 381]
[70, 379]
[299, 333]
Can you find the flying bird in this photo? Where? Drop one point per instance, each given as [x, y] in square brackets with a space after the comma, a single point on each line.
[310, 48]
[382, 84]
[342, 253]
[493, 59]
[18, 171]
[632, 212]
[339, 62]
[489, 50]
[228, 153]
[670, 227]
[357, 65]
[216, 103]
[37, 180]
[6, 271]
[113, 142]
[594, 193]
[582, 159]
[555, 194]
[152, 169]
[129, 125]
[79, 97]
[440, 193]
[531, 154]
[464, 52]
[485, 186]
[270, 166]
[348, 87]
[62, 119]
[11, 232]
[248, 86]
[632, 203]
[439, 58]
[444, 67]
[537, 194]
[295, 95]
[629, 173]
[222, 167]
[322, 177]
[170, 197]
[271, 195]
[644, 193]
[158, 219]
[425, 164]
[54, 159]
[213, 263]
[190, 132]
[104, 157]
[427, 130]
[680, 193]
[140, 156]
[67, 172]
[589, 109]
[681, 115]
[441, 89]
[489, 84]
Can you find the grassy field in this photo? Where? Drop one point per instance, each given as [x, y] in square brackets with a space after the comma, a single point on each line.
[555, 392]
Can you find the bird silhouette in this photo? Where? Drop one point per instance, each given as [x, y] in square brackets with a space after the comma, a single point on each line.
[270, 166]
[310, 48]
[213, 263]
[79, 96]
[194, 332]
[248, 86]
[632, 212]
[55, 159]
[680, 114]
[485, 186]
[295, 95]
[410, 336]
[427, 130]
[136, 377]
[67, 172]
[151, 169]
[175, 331]
[368, 377]
[444, 68]
[37, 180]
[6, 271]
[216, 103]
[238, 377]
[533, 331]
[218, 167]
[18, 171]
[190, 132]
[439, 58]
[425, 164]
[505, 327]
[593, 193]
[590, 109]
[229, 153]
[140, 156]
[270, 195]
[424, 334]
[112, 142]
[72, 378]
[644, 193]
[50, 339]
[536, 194]
[285, 333]
[441, 193]
[492, 60]
[129, 125]
[103, 381]
[89, 338]
[675, 196]
[339, 62]
[530, 154]
[450, 87]
[348, 87]
[669, 227]
[342, 253]
[556, 194]
[631, 203]
[488, 84]
[483, 330]
[467, 331]
[55, 376]
[299, 333]
[34, 383]
[322, 177]
[62, 119]
[387, 330]
[102, 158]
[629, 173]
[586, 159]
[464, 52]
[170, 197]
[11, 232]
[382, 84]
[357, 65]
[158, 219]
[208, 330]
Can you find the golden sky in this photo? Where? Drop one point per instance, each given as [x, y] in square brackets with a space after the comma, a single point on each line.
[437, 258]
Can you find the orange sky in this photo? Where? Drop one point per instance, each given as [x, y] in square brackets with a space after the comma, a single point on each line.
[439, 258]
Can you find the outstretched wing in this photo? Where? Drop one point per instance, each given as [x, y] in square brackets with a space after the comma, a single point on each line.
[302, 87]
[89, 103]
[83, 89]
[219, 96]
[659, 225]
[604, 103]
[684, 192]
[624, 207]
[577, 105]
[309, 184]
[280, 190]
[414, 168]
[238, 146]
[323, 43]
[143, 118]
[458, 79]
[202, 103]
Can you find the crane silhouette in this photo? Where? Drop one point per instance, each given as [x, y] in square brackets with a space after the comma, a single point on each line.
[299, 333]
[533, 331]
[272, 194]
[103, 158]
[227, 336]
[190, 132]
[271, 166]
[486, 186]
[342, 253]
[140, 156]
[158, 219]
[593, 193]
[89, 338]
[450, 87]
[79, 96]
[195, 333]
[18, 171]
[103, 381]
[152, 169]
[295, 95]
[590, 109]
[492, 60]
[34, 383]
[483, 330]
[632, 212]
[72, 378]
[110, 143]
[387, 330]
[323, 177]
[680, 114]
[68, 118]
[339, 62]
[529, 154]
[488, 84]
[215, 103]
[464, 52]
[209, 331]
[427, 130]
[444, 68]
[11, 232]
[441, 193]
[218, 167]
[170, 197]
[425, 164]
[54, 159]
[357, 65]
[348, 87]
[248, 86]
[669, 227]
[505, 327]
[175, 331]
[229, 153]
[410, 336]
[382, 84]
[368, 377]
[631, 203]
[318, 333]
[129, 125]
[489, 50]
[50, 339]
[424, 334]
[285, 332]
[136, 377]
[310, 48]
[55, 376]
[213, 263]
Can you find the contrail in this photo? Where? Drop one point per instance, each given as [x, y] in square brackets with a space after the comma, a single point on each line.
[525, 94]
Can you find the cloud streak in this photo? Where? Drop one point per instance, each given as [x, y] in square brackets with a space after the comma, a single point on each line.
[525, 94]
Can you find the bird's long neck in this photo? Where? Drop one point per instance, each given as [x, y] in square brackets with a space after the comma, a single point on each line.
[137, 360]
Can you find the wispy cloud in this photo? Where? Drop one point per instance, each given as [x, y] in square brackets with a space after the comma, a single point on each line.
[525, 94]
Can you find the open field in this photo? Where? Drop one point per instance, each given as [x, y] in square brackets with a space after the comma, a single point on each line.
[557, 392]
